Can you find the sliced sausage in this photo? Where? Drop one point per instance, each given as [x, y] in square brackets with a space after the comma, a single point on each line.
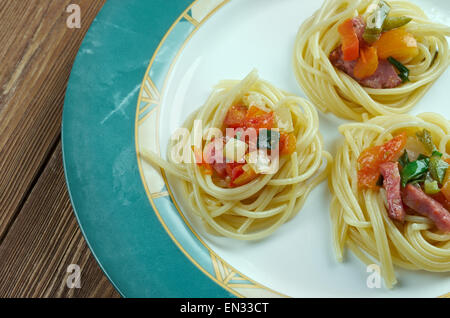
[417, 200]
[392, 185]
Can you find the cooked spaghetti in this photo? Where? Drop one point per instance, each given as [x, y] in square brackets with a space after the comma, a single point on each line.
[236, 196]
[359, 58]
[391, 193]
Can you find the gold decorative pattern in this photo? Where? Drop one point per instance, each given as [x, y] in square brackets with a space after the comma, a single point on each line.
[191, 19]
[230, 278]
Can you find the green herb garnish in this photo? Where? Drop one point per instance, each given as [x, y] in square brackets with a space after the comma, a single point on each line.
[404, 159]
[415, 171]
[268, 139]
[402, 69]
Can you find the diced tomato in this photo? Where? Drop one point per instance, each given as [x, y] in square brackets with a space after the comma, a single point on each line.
[350, 41]
[236, 172]
[233, 168]
[367, 64]
[235, 116]
[198, 155]
[288, 144]
[254, 111]
[207, 168]
[245, 177]
[259, 119]
[371, 158]
[393, 149]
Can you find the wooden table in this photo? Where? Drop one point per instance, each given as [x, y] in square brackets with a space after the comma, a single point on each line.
[39, 235]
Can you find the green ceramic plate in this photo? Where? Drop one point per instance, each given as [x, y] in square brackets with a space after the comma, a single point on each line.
[143, 67]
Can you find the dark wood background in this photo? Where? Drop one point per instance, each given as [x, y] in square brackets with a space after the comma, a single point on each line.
[39, 235]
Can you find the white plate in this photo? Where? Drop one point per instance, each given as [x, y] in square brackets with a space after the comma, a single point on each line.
[298, 260]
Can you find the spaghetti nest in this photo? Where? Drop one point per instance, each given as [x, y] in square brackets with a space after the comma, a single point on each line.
[334, 91]
[256, 209]
[360, 217]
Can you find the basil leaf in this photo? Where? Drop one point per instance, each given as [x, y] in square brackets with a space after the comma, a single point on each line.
[422, 156]
[414, 171]
[268, 139]
[404, 159]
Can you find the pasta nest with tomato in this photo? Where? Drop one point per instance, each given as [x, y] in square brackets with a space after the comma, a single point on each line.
[390, 183]
[258, 157]
[359, 59]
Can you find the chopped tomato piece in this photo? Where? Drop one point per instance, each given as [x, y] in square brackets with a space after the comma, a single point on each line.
[233, 169]
[198, 155]
[258, 119]
[371, 159]
[236, 172]
[235, 116]
[245, 177]
[254, 111]
[350, 41]
[239, 174]
[207, 168]
[367, 63]
[397, 43]
[288, 144]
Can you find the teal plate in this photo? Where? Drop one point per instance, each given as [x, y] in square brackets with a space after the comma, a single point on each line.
[102, 173]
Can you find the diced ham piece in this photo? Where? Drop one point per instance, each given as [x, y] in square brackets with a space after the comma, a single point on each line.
[384, 77]
[417, 200]
[359, 25]
[391, 184]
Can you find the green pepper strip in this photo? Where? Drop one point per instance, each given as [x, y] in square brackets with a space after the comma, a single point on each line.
[395, 22]
[431, 186]
[375, 22]
[438, 167]
[426, 139]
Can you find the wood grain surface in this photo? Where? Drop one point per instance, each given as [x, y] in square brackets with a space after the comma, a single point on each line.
[39, 235]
